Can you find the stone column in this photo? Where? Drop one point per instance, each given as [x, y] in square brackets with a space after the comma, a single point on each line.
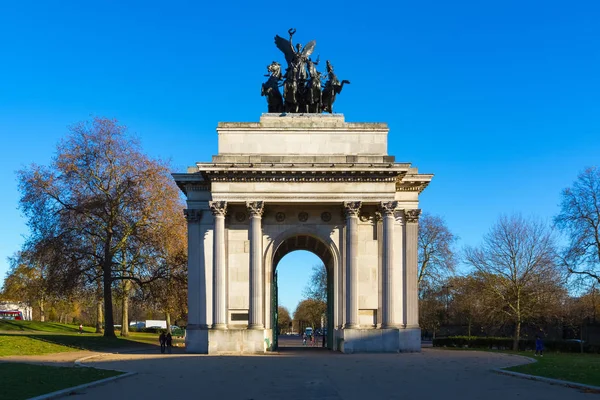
[388, 282]
[255, 314]
[196, 304]
[219, 209]
[411, 292]
[351, 209]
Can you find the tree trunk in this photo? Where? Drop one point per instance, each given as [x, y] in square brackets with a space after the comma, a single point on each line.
[168, 317]
[469, 328]
[109, 323]
[99, 305]
[125, 308]
[581, 337]
[42, 312]
[517, 336]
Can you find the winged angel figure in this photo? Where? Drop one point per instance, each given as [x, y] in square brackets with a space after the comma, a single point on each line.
[296, 57]
[302, 89]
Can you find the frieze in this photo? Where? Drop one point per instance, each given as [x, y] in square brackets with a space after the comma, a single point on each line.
[198, 187]
[296, 178]
[326, 216]
[302, 216]
[280, 217]
[240, 216]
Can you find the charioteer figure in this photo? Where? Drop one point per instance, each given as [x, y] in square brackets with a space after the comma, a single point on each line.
[303, 91]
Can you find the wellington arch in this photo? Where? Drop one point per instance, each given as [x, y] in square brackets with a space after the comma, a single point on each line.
[302, 181]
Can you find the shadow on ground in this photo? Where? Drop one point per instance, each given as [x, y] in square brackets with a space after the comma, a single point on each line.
[315, 373]
[95, 343]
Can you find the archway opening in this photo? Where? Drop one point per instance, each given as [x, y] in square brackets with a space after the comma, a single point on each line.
[303, 283]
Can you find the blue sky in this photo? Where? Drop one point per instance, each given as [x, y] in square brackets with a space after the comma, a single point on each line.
[500, 100]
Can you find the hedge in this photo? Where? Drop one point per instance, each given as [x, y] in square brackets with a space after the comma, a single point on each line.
[504, 343]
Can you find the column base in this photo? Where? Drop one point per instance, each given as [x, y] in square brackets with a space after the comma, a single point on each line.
[196, 340]
[256, 326]
[384, 340]
[219, 326]
[410, 340]
[351, 326]
[230, 341]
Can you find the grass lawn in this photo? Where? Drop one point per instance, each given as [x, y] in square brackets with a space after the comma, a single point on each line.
[32, 338]
[36, 326]
[574, 367]
[22, 381]
[23, 345]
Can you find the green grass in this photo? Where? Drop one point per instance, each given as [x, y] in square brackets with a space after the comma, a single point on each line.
[33, 338]
[36, 326]
[574, 367]
[22, 381]
[23, 345]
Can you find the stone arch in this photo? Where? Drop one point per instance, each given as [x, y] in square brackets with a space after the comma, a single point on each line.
[310, 239]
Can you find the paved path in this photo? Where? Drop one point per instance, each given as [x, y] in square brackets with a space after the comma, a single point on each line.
[311, 373]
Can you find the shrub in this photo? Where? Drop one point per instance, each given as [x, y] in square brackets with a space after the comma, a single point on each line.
[504, 343]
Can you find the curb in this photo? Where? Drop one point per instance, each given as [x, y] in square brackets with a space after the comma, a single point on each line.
[69, 391]
[569, 384]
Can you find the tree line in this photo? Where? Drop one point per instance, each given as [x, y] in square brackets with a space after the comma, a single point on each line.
[105, 227]
[525, 273]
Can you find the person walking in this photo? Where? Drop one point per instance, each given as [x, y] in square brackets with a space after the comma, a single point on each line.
[539, 346]
[304, 339]
[162, 339]
[169, 342]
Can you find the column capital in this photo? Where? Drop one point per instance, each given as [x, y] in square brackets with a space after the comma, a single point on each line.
[412, 216]
[352, 208]
[255, 208]
[192, 215]
[399, 216]
[218, 208]
[387, 208]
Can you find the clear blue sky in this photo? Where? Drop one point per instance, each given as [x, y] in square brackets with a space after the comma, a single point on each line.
[500, 100]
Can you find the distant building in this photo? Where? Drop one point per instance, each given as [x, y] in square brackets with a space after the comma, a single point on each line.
[17, 306]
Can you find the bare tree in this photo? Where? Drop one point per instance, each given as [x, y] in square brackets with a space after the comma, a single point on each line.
[98, 197]
[579, 219]
[316, 288]
[437, 261]
[517, 261]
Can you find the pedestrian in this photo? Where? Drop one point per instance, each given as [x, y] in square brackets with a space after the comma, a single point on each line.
[539, 346]
[162, 339]
[80, 329]
[304, 339]
[169, 341]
